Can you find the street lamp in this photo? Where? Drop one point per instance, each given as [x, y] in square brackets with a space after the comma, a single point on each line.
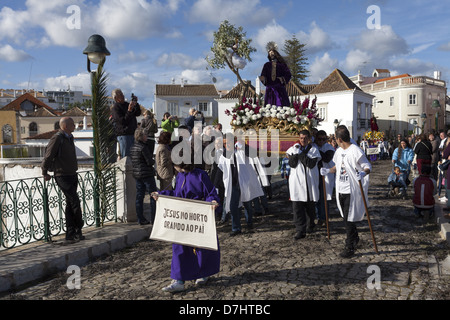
[335, 123]
[424, 118]
[96, 50]
[437, 107]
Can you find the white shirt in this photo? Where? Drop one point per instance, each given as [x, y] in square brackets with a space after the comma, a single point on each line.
[348, 162]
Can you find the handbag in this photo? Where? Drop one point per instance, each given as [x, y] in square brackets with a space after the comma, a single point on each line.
[444, 166]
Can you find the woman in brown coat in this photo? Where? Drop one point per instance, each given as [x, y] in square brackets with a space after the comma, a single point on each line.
[164, 165]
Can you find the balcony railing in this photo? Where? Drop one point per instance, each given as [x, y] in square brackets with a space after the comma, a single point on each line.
[33, 209]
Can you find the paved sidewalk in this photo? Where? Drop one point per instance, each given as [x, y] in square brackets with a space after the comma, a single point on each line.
[37, 261]
[266, 263]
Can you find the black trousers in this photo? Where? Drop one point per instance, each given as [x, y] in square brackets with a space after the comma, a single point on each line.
[304, 215]
[350, 227]
[73, 215]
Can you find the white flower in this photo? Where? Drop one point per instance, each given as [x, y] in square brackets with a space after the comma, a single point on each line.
[254, 117]
[234, 122]
[245, 121]
[258, 116]
[289, 119]
[238, 123]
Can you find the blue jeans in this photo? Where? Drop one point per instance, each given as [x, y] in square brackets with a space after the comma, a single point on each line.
[236, 212]
[143, 185]
[125, 143]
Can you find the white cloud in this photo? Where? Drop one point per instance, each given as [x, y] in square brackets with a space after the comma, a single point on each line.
[445, 47]
[180, 60]
[272, 32]
[9, 54]
[381, 43]
[322, 67]
[81, 82]
[44, 23]
[413, 67]
[356, 59]
[235, 11]
[131, 56]
[317, 40]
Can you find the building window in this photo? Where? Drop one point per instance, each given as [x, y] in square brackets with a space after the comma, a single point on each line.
[172, 108]
[203, 107]
[322, 110]
[33, 128]
[412, 99]
[7, 134]
[391, 101]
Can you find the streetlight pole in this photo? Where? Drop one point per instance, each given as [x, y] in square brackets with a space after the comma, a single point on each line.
[96, 53]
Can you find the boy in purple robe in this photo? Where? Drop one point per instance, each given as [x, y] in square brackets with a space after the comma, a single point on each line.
[190, 263]
[275, 76]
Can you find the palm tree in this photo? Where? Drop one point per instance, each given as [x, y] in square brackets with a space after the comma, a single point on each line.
[104, 147]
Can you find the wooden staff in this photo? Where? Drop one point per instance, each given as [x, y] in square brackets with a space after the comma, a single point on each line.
[326, 207]
[368, 216]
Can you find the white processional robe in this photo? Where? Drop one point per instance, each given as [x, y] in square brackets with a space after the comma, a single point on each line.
[248, 179]
[302, 179]
[329, 178]
[355, 160]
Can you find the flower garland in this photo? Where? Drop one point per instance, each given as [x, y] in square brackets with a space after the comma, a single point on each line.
[295, 117]
[374, 136]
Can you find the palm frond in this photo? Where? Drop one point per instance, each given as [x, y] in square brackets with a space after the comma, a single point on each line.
[104, 143]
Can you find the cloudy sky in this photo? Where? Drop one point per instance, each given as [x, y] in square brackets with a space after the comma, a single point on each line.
[154, 41]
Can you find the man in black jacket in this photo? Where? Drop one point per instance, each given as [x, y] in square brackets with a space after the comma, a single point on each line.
[60, 155]
[144, 173]
[124, 116]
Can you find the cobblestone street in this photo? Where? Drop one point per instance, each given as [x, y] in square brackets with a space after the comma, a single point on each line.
[269, 264]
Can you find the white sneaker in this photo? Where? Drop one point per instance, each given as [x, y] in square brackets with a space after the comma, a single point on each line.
[175, 286]
[201, 281]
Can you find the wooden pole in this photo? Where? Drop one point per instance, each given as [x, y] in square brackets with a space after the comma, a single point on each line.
[368, 216]
[326, 207]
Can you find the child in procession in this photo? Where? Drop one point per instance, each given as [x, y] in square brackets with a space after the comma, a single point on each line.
[190, 263]
[351, 168]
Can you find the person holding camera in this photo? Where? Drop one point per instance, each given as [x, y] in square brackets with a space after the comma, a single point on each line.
[124, 117]
[189, 122]
[169, 123]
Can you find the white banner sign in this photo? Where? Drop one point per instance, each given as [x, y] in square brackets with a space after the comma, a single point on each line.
[187, 222]
[372, 151]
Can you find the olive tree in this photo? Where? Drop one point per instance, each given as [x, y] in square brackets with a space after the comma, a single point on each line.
[231, 49]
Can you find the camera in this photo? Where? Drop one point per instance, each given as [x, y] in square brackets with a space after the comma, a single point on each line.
[134, 98]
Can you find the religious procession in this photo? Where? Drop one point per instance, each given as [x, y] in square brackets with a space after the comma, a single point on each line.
[238, 179]
[208, 178]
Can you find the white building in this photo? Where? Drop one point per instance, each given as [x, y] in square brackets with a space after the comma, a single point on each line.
[403, 104]
[177, 99]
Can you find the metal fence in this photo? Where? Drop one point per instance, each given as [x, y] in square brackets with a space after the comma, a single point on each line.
[33, 209]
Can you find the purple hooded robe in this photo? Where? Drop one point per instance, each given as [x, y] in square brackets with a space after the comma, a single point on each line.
[190, 263]
[275, 83]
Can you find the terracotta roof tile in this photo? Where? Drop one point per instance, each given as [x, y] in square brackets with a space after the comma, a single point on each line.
[74, 112]
[336, 81]
[187, 90]
[16, 104]
[395, 77]
[235, 93]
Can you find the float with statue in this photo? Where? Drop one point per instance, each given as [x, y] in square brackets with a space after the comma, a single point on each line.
[232, 49]
[251, 117]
